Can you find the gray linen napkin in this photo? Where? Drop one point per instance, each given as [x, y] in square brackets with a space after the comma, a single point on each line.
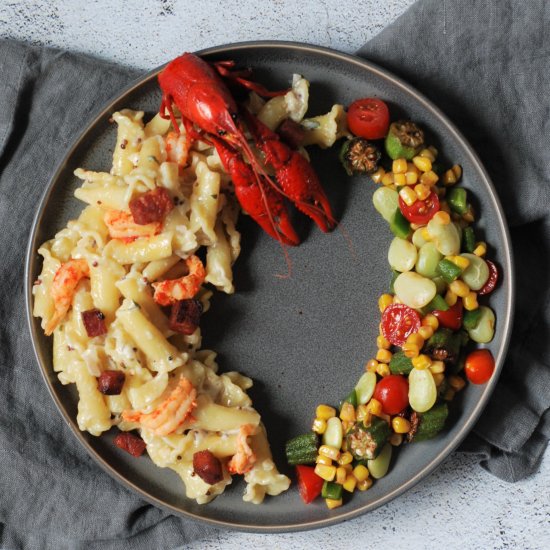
[486, 65]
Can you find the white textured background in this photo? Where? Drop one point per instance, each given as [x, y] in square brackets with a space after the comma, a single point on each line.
[460, 506]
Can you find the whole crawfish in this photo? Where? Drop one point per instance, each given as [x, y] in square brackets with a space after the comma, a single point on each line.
[210, 112]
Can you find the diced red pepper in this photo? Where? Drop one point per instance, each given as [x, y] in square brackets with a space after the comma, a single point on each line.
[309, 483]
[452, 318]
[489, 286]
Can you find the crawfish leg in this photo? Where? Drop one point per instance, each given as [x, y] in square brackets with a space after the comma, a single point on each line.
[295, 175]
[257, 198]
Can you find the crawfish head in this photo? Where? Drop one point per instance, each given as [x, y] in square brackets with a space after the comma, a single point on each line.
[201, 96]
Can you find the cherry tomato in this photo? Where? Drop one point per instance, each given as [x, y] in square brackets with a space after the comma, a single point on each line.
[398, 321]
[369, 118]
[489, 286]
[309, 483]
[393, 392]
[420, 211]
[479, 366]
[451, 318]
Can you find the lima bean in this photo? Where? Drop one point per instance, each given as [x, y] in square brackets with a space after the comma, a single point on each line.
[414, 290]
[428, 258]
[446, 237]
[422, 390]
[477, 273]
[386, 202]
[484, 331]
[402, 255]
[378, 467]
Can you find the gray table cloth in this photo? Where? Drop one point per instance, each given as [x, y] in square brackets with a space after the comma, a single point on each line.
[485, 64]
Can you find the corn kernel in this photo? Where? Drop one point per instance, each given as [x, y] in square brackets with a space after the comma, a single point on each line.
[371, 365]
[456, 382]
[421, 362]
[341, 475]
[344, 446]
[325, 412]
[383, 356]
[382, 343]
[360, 472]
[387, 178]
[411, 178]
[364, 485]
[383, 370]
[400, 425]
[362, 414]
[415, 338]
[319, 426]
[384, 301]
[450, 298]
[326, 472]
[449, 394]
[452, 175]
[438, 379]
[330, 452]
[399, 166]
[347, 412]
[395, 439]
[411, 350]
[422, 163]
[437, 367]
[349, 484]
[408, 195]
[434, 151]
[321, 459]
[426, 332]
[429, 178]
[430, 320]
[333, 503]
[460, 288]
[399, 179]
[375, 407]
[345, 458]
[480, 249]
[378, 175]
[470, 301]
[396, 300]
[348, 468]
[422, 191]
[441, 218]
[460, 261]
[426, 153]
[346, 425]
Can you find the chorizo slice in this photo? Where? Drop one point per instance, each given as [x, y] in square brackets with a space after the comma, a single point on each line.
[151, 207]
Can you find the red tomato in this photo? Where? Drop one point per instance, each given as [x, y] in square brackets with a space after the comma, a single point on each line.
[489, 286]
[309, 483]
[398, 321]
[451, 318]
[420, 212]
[479, 366]
[369, 118]
[393, 392]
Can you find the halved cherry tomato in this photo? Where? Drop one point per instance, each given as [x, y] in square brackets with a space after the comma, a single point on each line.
[309, 483]
[489, 286]
[398, 322]
[452, 318]
[420, 211]
[479, 366]
[369, 118]
[393, 392]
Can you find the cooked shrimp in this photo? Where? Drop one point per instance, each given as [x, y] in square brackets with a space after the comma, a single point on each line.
[172, 290]
[243, 460]
[122, 226]
[64, 284]
[177, 147]
[171, 413]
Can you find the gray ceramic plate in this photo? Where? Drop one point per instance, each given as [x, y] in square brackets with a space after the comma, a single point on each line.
[303, 340]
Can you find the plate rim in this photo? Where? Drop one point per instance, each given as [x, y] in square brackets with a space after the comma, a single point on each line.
[508, 276]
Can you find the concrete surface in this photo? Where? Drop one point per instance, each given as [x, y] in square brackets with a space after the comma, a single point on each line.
[460, 506]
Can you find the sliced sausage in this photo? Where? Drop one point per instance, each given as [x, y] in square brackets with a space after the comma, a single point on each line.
[130, 443]
[94, 322]
[185, 316]
[151, 207]
[291, 132]
[110, 382]
[208, 467]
